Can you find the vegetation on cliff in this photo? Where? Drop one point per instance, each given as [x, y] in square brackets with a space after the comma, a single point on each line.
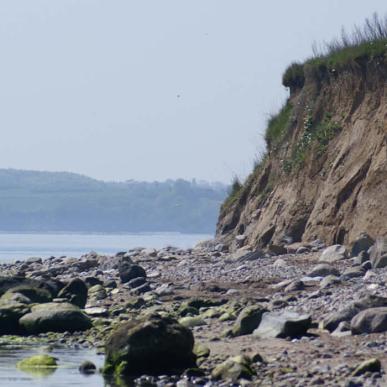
[336, 101]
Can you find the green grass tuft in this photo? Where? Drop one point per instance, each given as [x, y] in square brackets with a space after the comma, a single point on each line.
[278, 125]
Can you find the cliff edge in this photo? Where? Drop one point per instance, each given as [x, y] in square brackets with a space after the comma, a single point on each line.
[325, 172]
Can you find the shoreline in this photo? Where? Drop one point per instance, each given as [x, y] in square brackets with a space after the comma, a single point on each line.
[206, 290]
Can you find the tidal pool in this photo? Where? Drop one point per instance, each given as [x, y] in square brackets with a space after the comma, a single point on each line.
[67, 373]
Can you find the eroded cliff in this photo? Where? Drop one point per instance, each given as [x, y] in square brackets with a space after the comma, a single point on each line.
[325, 173]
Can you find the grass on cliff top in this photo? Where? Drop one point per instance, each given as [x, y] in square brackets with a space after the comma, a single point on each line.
[277, 125]
[361, 45]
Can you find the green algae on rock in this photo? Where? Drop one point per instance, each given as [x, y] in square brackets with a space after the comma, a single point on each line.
[154, 345]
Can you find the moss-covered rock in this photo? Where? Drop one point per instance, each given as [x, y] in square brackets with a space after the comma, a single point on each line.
[155, 345]
[238, 367]
[190, 322]
[38, 361]
[34, 294]
[55, 317]
[248, 320]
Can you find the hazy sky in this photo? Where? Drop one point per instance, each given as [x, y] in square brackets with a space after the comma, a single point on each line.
[151, 89]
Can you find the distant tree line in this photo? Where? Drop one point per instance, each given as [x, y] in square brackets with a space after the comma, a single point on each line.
[61, 201]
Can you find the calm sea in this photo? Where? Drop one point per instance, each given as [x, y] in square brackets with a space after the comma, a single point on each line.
[21, 246]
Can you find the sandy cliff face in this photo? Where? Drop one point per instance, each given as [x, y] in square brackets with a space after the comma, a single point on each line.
[326, 176]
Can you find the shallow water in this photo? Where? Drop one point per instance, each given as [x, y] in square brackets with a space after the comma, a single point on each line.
[67, 373]
[22, 246]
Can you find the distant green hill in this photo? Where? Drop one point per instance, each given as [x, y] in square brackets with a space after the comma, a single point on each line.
[61, 201]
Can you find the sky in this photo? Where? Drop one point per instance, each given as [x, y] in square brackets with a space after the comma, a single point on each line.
[151, 89]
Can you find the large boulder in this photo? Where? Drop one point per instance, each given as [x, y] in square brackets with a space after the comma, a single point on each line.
[9, 317]
[128, 271]
[34, 294]
[378, 255]
[361, 244]
[54, 317]
[334, 253]
[7, 283]
[154, 345]
[248, 320]
[332, 321]
[371, 320]
[285, 324]
[75, 292]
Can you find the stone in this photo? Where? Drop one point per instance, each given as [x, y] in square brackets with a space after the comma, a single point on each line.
[7, 283]
[136, 282]
[328, 281]
[346, 314]
[280, 263]
[378, 256]
[295, 286]
[362, 257]
[92, 281]
[10, 314]
[38, 361]
[129, 271]
[274, 249]
[353, 272]
[235, 368]
[281, 325]
[333, 254]
[323, 270]
[361, 244]
[54, 317]
[373, 320]
[154, 346]
[371, 365]
[75, 292]
[34, 294]
[97, 311]
[191, 321]
[248, 320]
[87, 368]
[343, 329]
[97, 292]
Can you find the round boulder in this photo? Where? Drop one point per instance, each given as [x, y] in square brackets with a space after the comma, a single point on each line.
[54, 317]
[75, 292]
[156, 345]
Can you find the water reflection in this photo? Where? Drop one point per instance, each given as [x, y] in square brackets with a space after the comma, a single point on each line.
[67, 373]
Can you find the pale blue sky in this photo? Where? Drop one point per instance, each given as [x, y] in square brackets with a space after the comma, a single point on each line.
[151, 89]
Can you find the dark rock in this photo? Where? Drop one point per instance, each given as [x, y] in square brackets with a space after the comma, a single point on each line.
[353, 272]
[378, 255]
[7, 283]
[87, 367]
[371, 320]
[361, 244]
[111, 284]
[92, 281]
[370, 301]
[136, 282]
[9, 317]
[75, 292]
[371, 365]
[54, 317]
[285, 324]
[156, 345]
[248, 320]
[323, 270]
[361, 258]
[295, 286]
[128, 272]
[277, 249]
[367, 265]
